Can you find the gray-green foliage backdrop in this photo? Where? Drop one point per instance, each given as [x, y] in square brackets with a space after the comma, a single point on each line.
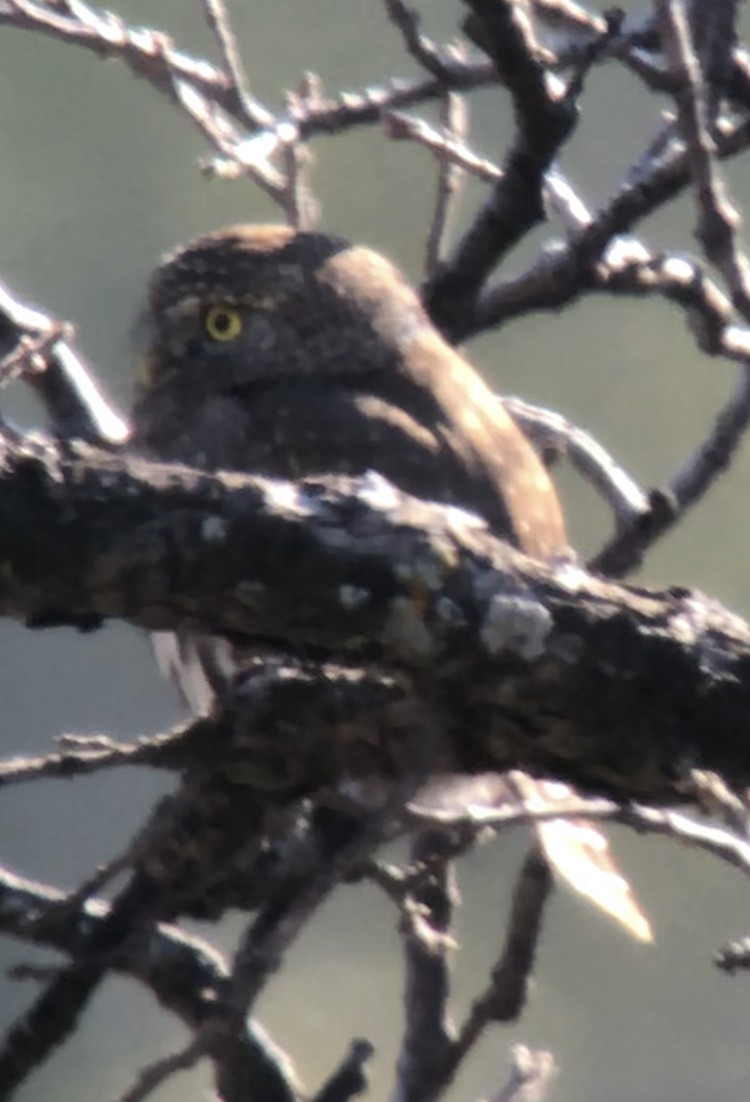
[99, 177]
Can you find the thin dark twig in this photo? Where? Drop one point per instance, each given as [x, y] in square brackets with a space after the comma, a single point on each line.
[713, 27]
[76, 901]
[184, 972]
[295, 203]
[281, 920]
[505, 996]
[545, 118]
[54, 1015]
[696, 475]
[627, 266]
[287, 910]
[350, 1077]
[422, 49]
[561, 276]
[154, 1075]
[425, 928]
[568, 16]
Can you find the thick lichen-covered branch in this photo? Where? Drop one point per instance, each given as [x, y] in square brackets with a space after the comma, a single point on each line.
[545, 668]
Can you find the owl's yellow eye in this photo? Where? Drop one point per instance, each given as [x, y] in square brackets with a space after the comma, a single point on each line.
[223, 323]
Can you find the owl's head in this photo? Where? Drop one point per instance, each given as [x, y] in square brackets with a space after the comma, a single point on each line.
[251, 304]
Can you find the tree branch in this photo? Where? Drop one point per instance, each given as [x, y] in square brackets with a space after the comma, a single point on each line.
[540, 667]
[185, 973]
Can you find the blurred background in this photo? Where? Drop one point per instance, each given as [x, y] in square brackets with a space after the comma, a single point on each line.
[99, 177]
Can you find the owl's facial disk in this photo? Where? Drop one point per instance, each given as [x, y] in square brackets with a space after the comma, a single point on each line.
[253, 304]
[225, 344]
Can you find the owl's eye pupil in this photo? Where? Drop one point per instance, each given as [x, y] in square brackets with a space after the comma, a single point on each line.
[223, 323]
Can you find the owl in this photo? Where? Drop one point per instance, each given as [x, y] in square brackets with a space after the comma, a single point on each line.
[294, 354]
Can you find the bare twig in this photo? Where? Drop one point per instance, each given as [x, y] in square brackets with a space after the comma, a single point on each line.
[238, 155]
[185, 973]
[444, 147]
[55, 1012]
[302, 209]
[32, 354]
[153, 55]
[422, 49]
[350, 1077]
[254, 112]
[566, 15]
[545, 118]
[76, 901]
[713, 28]
[717, 800]
[211, 99]
[724, 844]
[734, 957]
[148, 53]
[296, 204]
[152, 1077]
[506, 993]
[699, 472]
[284, 914]
[631, 269]
[71, 394]
[558, 192]
[426, 917]
[626, 266]
[551, 430]
[281, 918]
[161, 884]
[562, 275]
[454, 121]
[80, 756]
[717, 218]
[531, 1073]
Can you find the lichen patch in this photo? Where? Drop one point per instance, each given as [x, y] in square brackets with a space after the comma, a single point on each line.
[517, 624]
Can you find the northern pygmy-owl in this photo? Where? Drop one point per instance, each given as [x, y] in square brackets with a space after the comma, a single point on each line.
[291, 354]
[295, 354]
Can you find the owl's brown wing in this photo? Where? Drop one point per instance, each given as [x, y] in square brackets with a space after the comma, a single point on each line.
[307, 429]
[453, 443]
[518, 498]
[465, 452]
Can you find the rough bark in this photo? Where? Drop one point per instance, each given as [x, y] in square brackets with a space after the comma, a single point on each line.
[550, 669]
